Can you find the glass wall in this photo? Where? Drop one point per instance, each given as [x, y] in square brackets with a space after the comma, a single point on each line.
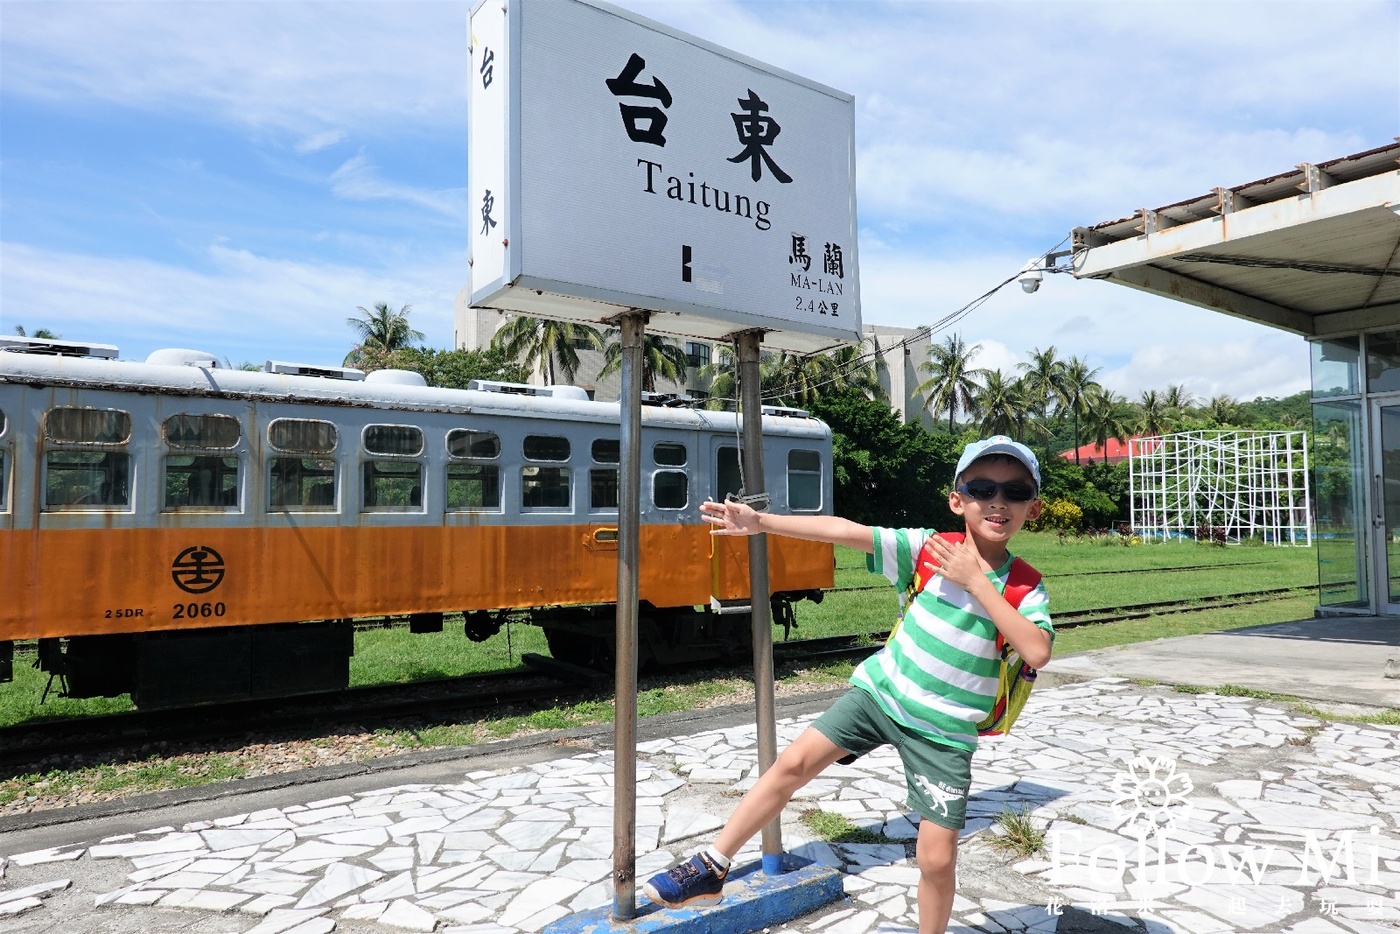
[1339, 482]
[1336, 367]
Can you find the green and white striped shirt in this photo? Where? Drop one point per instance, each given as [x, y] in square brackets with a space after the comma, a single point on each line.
[938, 675]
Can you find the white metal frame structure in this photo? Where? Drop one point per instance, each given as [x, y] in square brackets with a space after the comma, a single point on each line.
[1246, 482]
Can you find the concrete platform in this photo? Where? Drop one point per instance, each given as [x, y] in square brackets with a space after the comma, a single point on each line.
[515, 837]
[1329, 660]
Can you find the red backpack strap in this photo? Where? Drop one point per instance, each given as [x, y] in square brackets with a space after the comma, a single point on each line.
[927, 564]
[1020, 581]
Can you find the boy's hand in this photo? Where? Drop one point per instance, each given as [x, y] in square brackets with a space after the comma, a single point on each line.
[959, 563]
[730, 518]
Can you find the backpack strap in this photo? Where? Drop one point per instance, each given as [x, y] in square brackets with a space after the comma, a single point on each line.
[1020, 580]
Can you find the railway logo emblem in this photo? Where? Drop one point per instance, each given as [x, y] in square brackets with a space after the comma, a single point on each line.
[198, 569]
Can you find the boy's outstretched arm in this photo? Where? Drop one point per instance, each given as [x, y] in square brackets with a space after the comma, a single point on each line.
[741, 519]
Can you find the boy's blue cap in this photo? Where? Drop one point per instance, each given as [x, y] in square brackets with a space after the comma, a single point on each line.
[999, 444]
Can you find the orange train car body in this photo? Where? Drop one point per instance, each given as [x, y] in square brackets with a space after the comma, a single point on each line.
[144, 502]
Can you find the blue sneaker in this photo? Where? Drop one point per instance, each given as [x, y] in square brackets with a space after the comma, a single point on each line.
[695, 883]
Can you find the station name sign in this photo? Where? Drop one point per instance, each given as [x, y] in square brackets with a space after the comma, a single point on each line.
[616, 163]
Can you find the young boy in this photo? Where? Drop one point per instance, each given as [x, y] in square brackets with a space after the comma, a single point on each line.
[925, 691]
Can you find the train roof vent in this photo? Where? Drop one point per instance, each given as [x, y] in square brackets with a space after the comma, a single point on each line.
[396, 378]
[306, 369]
[577, 393]
[786, 412]
[671, 400]
[57, 348]
[177, 356]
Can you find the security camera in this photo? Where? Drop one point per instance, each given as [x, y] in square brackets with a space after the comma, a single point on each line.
[1031, 274]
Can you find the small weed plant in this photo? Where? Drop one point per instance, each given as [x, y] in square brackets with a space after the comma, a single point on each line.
[837, 828]
[1020, 833]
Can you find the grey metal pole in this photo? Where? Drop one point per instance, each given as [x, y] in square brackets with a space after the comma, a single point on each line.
[633, 324]
[746, 343]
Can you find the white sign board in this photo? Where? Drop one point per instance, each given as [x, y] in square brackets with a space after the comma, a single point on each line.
[615, 163]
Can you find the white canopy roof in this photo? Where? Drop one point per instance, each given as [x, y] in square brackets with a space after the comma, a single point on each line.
[1315, 251]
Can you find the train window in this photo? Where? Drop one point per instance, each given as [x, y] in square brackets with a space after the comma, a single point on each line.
[473, 486]
[804, 479]
[669, 454]
[602, 485]
[87, 479]
[200, 481]
[404, 440]
[302, 436]
[546, 448]
[71, 425]
[301, 483]
[463, 442]
[2, 422]
[205, 432]
[670, 489]
[393, 486]
[607, 451]
[544, 487]
[727, 473]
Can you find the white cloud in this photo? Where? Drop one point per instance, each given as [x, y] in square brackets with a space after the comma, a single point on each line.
[318, 141]
[243, 306]
[358, 180]
[1139, 341]
[300, 67]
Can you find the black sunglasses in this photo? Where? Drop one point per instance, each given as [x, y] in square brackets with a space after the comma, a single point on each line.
[1015, 491]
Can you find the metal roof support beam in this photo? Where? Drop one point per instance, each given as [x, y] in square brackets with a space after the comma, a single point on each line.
[1183, 288]
[1377, 190]
[1358, 319]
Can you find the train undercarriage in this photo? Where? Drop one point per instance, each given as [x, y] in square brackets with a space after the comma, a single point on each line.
[233, 663]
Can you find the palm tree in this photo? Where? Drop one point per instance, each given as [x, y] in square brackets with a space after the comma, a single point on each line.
[1107, 415]
[42, 333]
[1002, 405]
[538, 344]
[1154, 418]
[859, 366]
[952, 382]
[797, 379]
[1078, 381]
[1178, 399]
[661, 356]
[1222, 410]
[381, 330]
[1045, 382]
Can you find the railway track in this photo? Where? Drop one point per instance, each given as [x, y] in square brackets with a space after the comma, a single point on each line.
[41, 743]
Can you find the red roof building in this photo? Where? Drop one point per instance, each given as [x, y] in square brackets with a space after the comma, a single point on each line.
[1115, 453]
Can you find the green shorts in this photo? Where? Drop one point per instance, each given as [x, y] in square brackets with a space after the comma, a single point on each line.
[937, 776]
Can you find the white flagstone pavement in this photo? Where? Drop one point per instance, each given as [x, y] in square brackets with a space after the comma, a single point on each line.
[1273, 822]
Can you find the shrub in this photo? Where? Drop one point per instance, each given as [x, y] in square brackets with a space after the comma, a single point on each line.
[1058, 515]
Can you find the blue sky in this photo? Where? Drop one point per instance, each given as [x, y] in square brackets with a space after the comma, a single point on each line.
[238, 176]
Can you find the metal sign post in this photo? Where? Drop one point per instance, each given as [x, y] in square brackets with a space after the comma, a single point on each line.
[760, 607]
[633, 324]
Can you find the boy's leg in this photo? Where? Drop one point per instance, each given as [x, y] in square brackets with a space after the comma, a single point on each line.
[798, 764]
[937, 855]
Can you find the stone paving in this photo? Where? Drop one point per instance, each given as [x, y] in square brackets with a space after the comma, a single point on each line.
[1164, 812]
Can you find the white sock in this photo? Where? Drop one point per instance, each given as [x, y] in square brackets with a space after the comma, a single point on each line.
[718, 858]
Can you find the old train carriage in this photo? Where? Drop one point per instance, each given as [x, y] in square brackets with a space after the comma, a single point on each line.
[188, 532]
